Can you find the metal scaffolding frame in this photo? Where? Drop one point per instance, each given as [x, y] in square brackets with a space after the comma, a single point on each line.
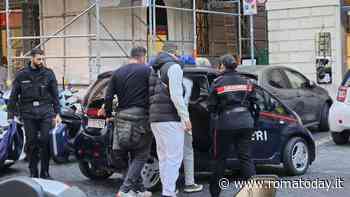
[151, 5]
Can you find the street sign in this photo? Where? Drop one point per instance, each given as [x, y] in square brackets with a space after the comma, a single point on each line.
[250, 7]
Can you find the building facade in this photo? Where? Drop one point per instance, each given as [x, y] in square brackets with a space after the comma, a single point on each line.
[123, 28]
[74, 59]
[294, 28]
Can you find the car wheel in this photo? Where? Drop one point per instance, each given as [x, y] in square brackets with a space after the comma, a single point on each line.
[150, 174]
[340, 138]
[296, 156]
[93, 172]
[324, 125]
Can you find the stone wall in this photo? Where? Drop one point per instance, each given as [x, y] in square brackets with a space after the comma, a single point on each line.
[293, 26]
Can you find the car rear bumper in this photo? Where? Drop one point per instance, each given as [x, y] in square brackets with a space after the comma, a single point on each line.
[339, 117]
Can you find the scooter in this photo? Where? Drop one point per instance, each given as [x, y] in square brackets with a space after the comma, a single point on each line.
[12, 142]
[71, 116]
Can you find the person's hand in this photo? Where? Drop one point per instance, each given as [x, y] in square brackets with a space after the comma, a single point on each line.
[110, 119]
[101, 112]
[58, 120]
[188, 126]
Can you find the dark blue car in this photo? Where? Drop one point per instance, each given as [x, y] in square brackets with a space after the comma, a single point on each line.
[280, 139]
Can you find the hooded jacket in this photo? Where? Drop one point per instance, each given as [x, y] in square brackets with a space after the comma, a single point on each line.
[162, 108]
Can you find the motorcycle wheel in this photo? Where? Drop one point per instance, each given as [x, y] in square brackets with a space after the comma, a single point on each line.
[92, 172]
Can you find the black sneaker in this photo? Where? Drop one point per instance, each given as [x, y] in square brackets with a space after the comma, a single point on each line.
[46, 175]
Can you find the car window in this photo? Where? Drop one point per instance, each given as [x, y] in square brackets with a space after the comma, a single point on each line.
[276, 79]
[267, 103]
[261, 101]
[200, 88]
[346, 81]
[296, 80]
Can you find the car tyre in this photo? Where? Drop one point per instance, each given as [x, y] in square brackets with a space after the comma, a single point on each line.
[340, 138]
[92, 172]
[324, 125]
[296, 156]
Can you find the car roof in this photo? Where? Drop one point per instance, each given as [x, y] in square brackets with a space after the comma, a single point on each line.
[199, 70]
[188, 69]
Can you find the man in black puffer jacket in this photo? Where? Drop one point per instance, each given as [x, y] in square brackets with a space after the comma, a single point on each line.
[169, 115]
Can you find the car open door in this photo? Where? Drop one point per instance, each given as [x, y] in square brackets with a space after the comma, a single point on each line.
[278, 84]
[311, 101]
[273, 117]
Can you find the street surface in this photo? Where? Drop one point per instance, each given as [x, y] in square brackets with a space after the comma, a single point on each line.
[332, 166]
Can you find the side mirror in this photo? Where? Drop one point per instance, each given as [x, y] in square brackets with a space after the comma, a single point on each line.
[309, 85]
[312, 84]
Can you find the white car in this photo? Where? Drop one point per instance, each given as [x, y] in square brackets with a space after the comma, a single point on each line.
[339, 114]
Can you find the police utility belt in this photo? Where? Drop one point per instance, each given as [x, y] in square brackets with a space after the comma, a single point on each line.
[35, 103]
[234, 118]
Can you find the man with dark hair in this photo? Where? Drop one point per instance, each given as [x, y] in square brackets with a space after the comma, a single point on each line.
[34, 97]
[232, 103]
[132, 133]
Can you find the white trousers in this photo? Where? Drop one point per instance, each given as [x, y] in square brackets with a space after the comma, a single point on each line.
[170, 142]
[188, 160]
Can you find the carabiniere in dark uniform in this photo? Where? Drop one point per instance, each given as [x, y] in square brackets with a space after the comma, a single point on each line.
[34, 97]
[231, 103]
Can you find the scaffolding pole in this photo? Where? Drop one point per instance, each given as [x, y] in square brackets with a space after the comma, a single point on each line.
[151, 38]
[64, 41]
[154, 24]
[194, 14]
[132, 24]
[150, 30]
[182, 29]
[98, 37]
[239, 30]
[112, 37]
[64, 27]
[9, 46]
[41, 37]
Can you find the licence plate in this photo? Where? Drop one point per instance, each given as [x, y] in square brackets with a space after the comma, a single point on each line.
[96, 123]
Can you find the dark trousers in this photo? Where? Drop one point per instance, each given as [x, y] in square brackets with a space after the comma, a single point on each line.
[138, 158]
[241, 139]
[37, 145]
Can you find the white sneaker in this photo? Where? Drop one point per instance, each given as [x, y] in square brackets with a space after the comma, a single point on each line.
[126, 194]
[193, 188]
[144, 194]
